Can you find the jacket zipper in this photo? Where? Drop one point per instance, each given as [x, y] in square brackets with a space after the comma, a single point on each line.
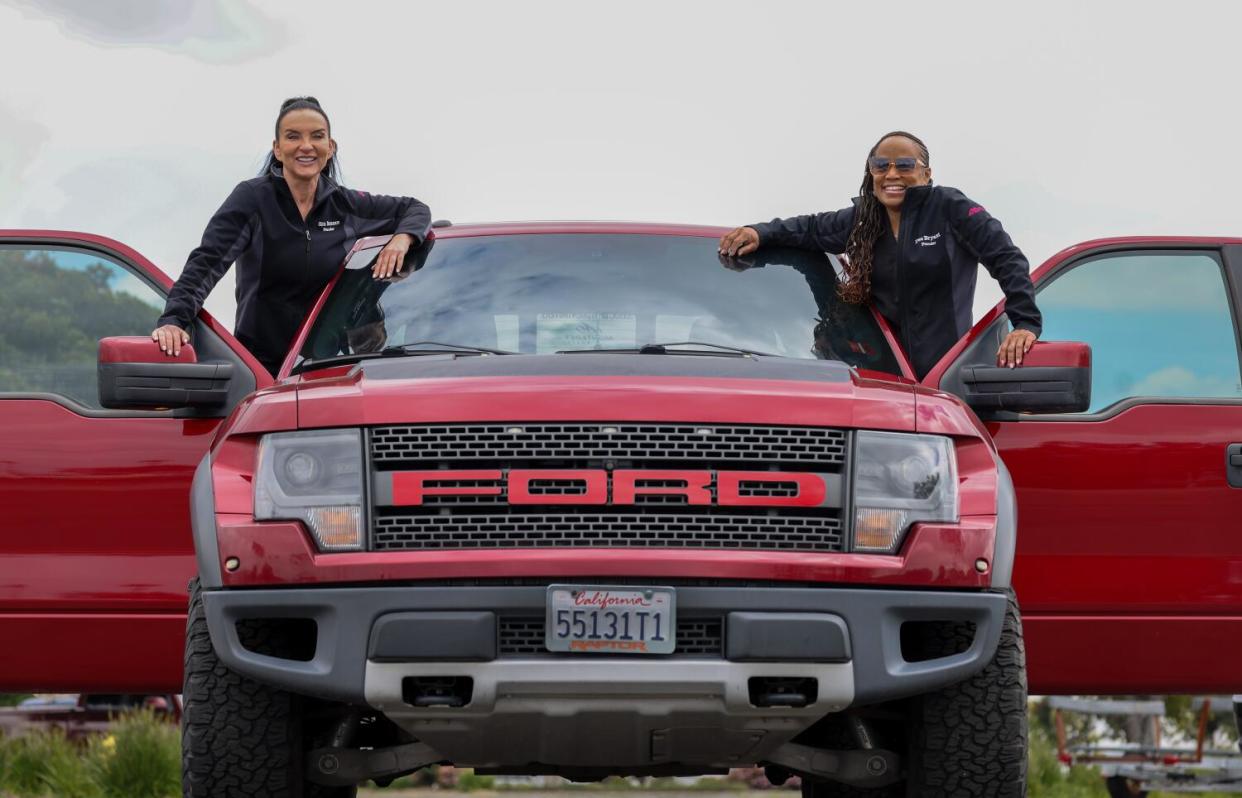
[314, 206]
[902, 288]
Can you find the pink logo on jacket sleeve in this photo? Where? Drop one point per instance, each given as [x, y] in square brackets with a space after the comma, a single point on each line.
[974, 210]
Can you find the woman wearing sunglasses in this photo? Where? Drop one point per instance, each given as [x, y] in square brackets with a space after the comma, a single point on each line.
[913, 249]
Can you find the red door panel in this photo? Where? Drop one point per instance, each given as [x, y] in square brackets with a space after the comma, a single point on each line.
[1131, 654]
[96, 521]
[1129, 542]
[1135, 513]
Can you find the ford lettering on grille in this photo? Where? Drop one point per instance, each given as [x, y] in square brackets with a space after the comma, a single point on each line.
[439, 487]
[586, 486]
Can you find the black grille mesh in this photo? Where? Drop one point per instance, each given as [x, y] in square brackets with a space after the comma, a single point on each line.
[675, 530]
[704, 443]
[767, 489]
[696, 637]
[557, 487]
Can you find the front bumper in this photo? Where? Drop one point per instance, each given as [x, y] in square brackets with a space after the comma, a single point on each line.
[593, 709]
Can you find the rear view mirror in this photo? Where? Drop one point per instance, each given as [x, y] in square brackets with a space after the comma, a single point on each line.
[135, 375]
[1055, 377]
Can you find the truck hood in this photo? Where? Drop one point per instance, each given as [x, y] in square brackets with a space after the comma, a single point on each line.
[602, 387]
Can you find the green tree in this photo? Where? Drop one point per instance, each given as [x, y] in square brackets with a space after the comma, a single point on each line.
[51, 320]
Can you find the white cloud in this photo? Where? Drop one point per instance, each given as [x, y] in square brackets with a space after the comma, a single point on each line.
[153, 202]
[20, 143]
[1181, 381]
[214, 31]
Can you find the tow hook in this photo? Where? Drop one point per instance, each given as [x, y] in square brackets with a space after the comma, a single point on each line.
[342, 767]
[874, 767]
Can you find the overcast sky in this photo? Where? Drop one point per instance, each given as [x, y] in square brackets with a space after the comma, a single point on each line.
[1067, 120]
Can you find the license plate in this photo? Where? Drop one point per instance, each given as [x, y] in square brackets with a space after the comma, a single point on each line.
[611, 620]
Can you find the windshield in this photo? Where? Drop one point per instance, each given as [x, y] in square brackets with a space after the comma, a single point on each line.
[548, 293]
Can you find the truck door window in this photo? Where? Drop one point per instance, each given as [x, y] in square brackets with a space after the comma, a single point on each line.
[55, 306]
[1159, 325]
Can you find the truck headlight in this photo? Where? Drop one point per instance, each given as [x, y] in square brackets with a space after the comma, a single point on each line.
[315, 477]
[900, 479]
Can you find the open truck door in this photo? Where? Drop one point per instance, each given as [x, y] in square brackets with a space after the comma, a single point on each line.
[96, 549]
[1129, 548]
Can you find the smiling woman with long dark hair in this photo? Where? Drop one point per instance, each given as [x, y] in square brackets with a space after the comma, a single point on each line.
[913, 249]
[288, 230]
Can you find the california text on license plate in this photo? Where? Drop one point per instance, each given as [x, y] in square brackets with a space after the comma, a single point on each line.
[611, 620]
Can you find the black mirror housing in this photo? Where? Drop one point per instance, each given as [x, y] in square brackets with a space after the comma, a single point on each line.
[1055, 377]
[135, 375]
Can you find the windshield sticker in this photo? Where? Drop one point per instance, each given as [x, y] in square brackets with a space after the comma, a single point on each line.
[508, 332]
[557, 331]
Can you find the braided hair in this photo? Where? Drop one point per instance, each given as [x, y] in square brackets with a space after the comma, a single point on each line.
[870, 222]
[309, 103]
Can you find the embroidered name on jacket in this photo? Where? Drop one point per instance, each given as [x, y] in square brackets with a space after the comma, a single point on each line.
[928, 241]
[328, 227]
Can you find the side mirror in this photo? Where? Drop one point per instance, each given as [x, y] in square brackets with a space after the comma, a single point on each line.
[135, 375]
[1055, 377]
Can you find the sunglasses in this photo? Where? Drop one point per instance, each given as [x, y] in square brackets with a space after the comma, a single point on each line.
[879, 165]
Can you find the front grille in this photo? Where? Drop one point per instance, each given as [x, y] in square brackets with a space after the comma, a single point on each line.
[755, 532]
[661, 519]
[701, 443]
[696, 637]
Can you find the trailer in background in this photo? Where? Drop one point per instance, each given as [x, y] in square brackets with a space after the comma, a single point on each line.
[1131, 769]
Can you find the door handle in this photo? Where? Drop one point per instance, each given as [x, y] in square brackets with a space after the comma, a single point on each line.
[1233, 464]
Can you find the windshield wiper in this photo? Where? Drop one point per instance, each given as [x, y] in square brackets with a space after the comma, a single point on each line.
[402, 350]
[718, 350]
[439, 348]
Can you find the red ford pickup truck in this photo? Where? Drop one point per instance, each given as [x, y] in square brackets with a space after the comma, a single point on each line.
[587, 499]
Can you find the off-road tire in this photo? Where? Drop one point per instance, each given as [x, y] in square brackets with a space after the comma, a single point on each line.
[968, 740]
[239, 738]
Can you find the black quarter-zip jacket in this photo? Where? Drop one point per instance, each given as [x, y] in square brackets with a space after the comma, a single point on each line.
[283, 262]
[923, 282]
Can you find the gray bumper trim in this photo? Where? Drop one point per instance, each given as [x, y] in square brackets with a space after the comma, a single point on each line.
[437, 636]
[346, 616]
[203, 524]
[786, 637]
[1006, 527]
